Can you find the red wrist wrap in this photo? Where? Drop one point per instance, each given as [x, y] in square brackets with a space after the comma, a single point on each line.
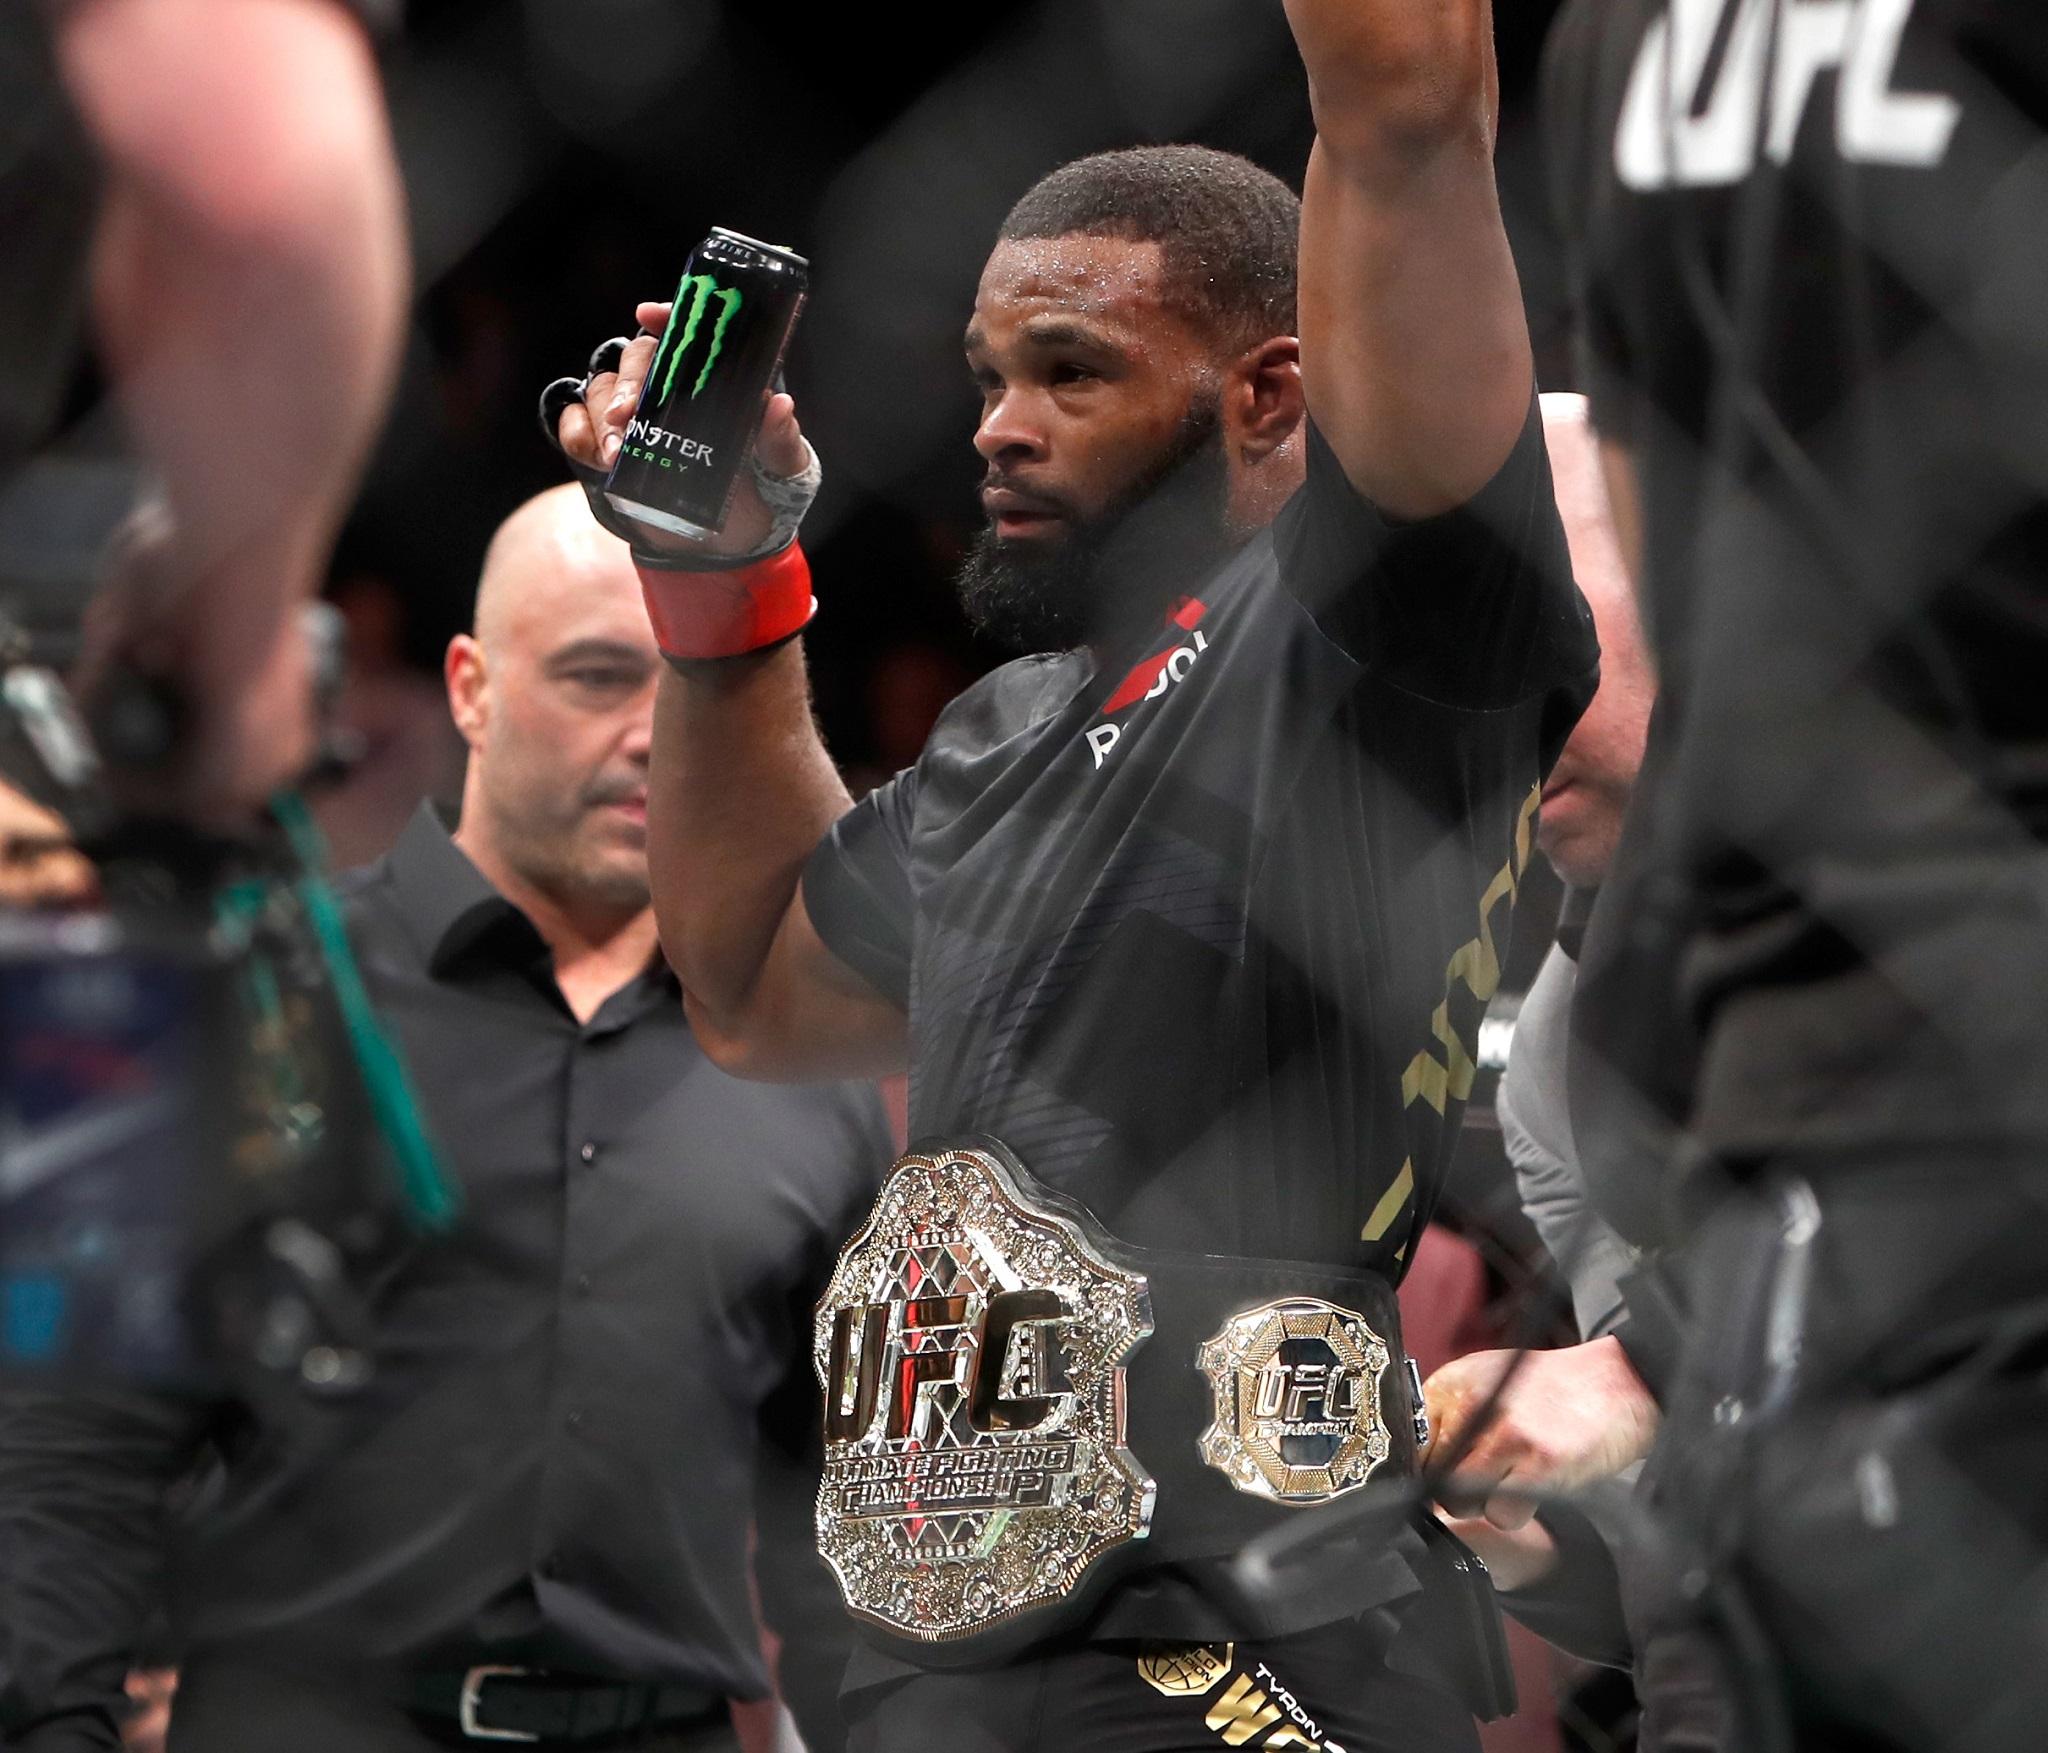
[724, 614]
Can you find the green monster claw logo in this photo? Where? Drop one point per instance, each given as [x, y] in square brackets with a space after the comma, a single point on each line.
[705, 290]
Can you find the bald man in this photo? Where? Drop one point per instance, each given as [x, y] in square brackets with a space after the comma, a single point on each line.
[535, 1521]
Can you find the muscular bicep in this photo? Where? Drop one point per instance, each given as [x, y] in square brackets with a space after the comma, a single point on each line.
[1414, 346]
[810, 1016]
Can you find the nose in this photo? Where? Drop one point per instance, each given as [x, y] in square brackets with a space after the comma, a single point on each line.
[1012, 429]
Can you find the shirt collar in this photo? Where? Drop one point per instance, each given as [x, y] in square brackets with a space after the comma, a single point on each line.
[449, 904]
[456, 916]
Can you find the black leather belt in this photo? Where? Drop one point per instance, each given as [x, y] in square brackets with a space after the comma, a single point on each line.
[497, 1702]
[1201, 1512]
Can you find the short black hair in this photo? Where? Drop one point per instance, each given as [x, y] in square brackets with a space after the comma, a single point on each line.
[1226, 229]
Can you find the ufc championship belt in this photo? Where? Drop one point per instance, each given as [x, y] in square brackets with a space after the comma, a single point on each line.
[1017, 1404]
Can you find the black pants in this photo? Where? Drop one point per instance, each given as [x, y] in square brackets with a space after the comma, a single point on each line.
[227, 1706]
[1325, 1689]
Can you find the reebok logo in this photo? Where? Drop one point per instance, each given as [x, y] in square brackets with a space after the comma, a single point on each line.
[1150, 677]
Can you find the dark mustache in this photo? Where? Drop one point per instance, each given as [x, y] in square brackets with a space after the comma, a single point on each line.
[1033, 499]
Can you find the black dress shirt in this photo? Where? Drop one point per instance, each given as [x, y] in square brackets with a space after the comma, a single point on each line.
[582, 1400]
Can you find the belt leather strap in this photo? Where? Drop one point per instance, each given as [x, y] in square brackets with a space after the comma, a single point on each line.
[1199, 1513]
[535, 1705]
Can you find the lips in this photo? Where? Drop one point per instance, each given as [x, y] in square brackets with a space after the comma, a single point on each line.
[1016, 513]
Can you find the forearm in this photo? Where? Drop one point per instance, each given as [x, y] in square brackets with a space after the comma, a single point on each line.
[740, 791]
[1391, 74]
[250, 285]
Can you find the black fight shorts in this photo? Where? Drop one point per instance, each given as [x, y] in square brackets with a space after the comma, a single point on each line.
[1327, 1691]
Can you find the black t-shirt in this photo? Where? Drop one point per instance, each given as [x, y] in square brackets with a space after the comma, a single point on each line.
[1204, 929]
[1810, 247]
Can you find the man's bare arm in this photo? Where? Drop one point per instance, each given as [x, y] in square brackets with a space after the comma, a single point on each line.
[1415, 349]
[250, 286]
[740, 792]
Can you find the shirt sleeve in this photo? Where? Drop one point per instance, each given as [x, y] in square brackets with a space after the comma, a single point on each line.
[1473, 609]
[857, 887]
[83, 1478]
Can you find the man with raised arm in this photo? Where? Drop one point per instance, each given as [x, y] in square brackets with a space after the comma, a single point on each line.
[1183, 926]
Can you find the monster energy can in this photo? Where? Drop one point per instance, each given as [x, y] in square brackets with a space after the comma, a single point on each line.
[700, 407]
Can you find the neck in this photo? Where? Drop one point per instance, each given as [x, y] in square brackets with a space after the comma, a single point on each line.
[596, 948]
[1259, 490]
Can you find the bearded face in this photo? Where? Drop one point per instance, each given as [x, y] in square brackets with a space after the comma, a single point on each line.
[1090, 575]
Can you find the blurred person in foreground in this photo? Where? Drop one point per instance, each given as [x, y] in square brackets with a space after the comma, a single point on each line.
[1807, 247]
[534, 1520]
[207, 189]
[1192, 911]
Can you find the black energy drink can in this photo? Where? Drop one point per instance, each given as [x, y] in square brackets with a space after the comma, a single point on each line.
[700, 407]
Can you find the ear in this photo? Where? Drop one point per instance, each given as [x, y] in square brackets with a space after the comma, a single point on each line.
[468, 680]
[1262, 400]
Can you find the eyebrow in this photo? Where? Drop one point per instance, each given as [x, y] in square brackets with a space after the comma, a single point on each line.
[598, 650]
[1048, 331]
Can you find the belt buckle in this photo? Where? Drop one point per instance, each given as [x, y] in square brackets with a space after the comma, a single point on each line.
[472, 1697]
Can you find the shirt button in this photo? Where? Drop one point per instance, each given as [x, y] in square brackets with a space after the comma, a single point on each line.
[588, 1153]
[582, 1284]
[574, 1421]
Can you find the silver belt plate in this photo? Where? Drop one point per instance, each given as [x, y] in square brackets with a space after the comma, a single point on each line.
[1296, 1389]
[972, 1345]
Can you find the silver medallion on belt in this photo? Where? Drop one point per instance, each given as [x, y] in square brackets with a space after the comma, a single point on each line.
[1296, 1388]
[972, 1347]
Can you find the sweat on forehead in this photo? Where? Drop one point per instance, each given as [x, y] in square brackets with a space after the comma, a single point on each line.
[1225, 229]
[547, 551]
[1087, 277]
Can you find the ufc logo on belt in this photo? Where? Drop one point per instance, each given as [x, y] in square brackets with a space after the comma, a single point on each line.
[1288, 1390]
[934, 1349]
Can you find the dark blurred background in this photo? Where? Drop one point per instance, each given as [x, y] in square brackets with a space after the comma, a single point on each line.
[563, 156]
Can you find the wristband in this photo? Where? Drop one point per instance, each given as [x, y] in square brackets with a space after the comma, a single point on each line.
[727, 613]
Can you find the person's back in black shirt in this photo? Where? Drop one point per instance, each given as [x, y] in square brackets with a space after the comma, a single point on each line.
[1810, 258]
[1810, 264]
